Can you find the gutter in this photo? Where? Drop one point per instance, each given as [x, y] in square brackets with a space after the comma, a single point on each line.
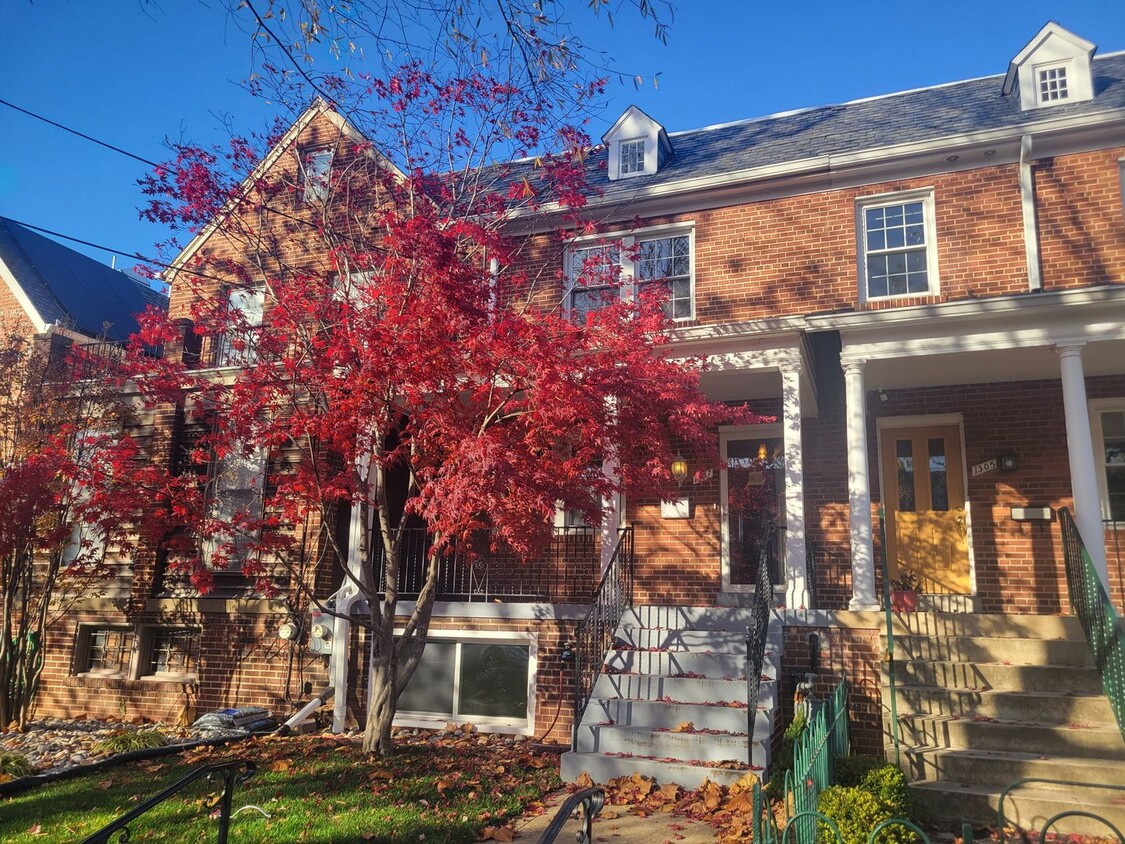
[1030, 227]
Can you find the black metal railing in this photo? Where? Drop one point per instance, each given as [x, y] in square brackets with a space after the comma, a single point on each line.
[756, 633]
[595, 632]
[1102, 625]
[1114, 531]
[566, 571]
[587, 803]
[232, 773]
[812, 550]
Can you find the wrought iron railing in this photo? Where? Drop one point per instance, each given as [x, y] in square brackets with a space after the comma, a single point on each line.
[595, 632]
[1103, 627]
[587, 803]
[232, 773]
[1114, 531]
[825, 739]
[566, 571]
[756, 633]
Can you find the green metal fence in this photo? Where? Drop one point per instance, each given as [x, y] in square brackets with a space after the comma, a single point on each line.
[825, 739]
[1103, 627]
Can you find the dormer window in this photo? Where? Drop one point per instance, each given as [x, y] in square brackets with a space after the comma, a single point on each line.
[632, 157]
[1052, 84]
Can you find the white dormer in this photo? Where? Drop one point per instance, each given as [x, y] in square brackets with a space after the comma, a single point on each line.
[1053, 69]
[638, 145]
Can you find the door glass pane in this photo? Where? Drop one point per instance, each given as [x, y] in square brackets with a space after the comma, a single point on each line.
[494, 680]
[904, 464]
[431, 687]
[939, 476]
[755, 506]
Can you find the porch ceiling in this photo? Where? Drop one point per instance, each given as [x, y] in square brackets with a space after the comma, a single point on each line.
[737, 385]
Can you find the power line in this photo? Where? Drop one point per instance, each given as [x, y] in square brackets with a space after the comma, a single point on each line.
[82, 135]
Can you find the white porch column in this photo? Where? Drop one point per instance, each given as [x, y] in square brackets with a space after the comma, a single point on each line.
[1080, 449]
[611, 516]
[796, 574]
[859, 490]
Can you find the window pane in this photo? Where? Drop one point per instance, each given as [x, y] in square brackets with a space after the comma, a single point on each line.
[1113, 424]
[431, 687]
[939, 475]
[876, 240]
[904, 460]
[494, 680]
[1115, 483]
[896, 239]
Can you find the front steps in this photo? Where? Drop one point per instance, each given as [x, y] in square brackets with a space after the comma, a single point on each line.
[670, 666]
[986, 700]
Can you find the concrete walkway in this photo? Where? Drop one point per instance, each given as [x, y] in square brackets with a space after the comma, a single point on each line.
[658, 828]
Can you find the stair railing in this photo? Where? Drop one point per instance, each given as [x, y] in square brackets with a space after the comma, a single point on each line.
[888, 620]
[595, 631]
[587, 803]
[233, 774]
[1103, 627]
[756, 633]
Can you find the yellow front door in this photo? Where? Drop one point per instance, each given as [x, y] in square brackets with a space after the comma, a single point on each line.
[924, 506]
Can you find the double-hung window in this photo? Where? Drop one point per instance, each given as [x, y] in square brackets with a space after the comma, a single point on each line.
[628, 265]
[235, 502]
[898, 256]
[316, 171]
[237, 346]
[1108, 418]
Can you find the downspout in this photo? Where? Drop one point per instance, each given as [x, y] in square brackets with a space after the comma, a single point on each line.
[1030, 227]
[345, 596]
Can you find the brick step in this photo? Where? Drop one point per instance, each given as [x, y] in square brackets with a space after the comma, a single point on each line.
[983, 676]
[680, 689]
[714, 665]
[1047, 707]
[1028, 807]
[992, 767]
[991, 625]
[687, 639]
[663, 744]
[1005, 650]
[604, 768]
[653, 714]
[1095, 742]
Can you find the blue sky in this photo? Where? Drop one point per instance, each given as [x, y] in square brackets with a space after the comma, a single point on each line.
[133, 72]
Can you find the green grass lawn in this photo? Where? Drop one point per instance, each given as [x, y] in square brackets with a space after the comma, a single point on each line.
[315, 789]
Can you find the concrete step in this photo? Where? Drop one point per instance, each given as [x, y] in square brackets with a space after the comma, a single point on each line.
[991, 625]
[706, 641]
[664, 744]
[680, 689]
[1043, 706]
[656, 714]
[983, 676]
[982, 733]
[602, 768]
[1028, 807]
[1006, 650]
[715, 665]
[689, 618]
[992, 767]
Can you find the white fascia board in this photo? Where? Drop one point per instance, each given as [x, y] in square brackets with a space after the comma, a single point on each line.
[21, 296]
[778, 332]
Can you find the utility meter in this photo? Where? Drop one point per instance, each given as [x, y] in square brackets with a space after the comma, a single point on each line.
[320, 632]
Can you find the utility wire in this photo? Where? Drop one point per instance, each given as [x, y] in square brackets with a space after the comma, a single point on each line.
[79, 134]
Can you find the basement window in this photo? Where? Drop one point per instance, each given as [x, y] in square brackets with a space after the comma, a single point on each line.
[105, 651]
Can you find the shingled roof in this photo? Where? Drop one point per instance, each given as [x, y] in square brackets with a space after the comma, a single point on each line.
[71, 290]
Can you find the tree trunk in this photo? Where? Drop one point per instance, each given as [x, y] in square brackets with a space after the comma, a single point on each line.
[380, 713]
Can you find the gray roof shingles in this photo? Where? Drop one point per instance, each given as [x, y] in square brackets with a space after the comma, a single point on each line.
[71, 289]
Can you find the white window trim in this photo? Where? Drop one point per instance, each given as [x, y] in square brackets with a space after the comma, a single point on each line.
[1096, 408]
[493, 725]
[862, 203]
[627, 241]
[315, 191]
[1067, 67]
[261, 457]
[1121, 181]
[621, 174]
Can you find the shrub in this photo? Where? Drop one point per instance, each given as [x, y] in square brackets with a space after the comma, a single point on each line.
[850, 770]
[15, 765]
[124, 741]
[856, 813]
[775, 788]
[888, 783]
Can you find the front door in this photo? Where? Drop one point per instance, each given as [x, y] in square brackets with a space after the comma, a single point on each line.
[753, 509]
[924, 506]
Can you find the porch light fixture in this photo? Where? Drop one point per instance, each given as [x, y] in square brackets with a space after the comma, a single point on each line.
[763, 452]
[679, 469]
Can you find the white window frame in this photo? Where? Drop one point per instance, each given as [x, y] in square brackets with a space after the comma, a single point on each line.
[257, 464]
[250, 302]
[883, 200]
[1067, 68]
[626, 243]
[1096, 408]
[1121, 180]
[316, 172]
[624, 158]
[512, 726]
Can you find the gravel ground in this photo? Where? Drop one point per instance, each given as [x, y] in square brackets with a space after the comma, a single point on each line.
[54, 744]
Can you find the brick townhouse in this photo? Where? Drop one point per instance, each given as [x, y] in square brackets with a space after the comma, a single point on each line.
[925, 290]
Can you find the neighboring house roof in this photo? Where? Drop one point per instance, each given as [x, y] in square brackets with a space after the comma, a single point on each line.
[951, 112]
[57, 285]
